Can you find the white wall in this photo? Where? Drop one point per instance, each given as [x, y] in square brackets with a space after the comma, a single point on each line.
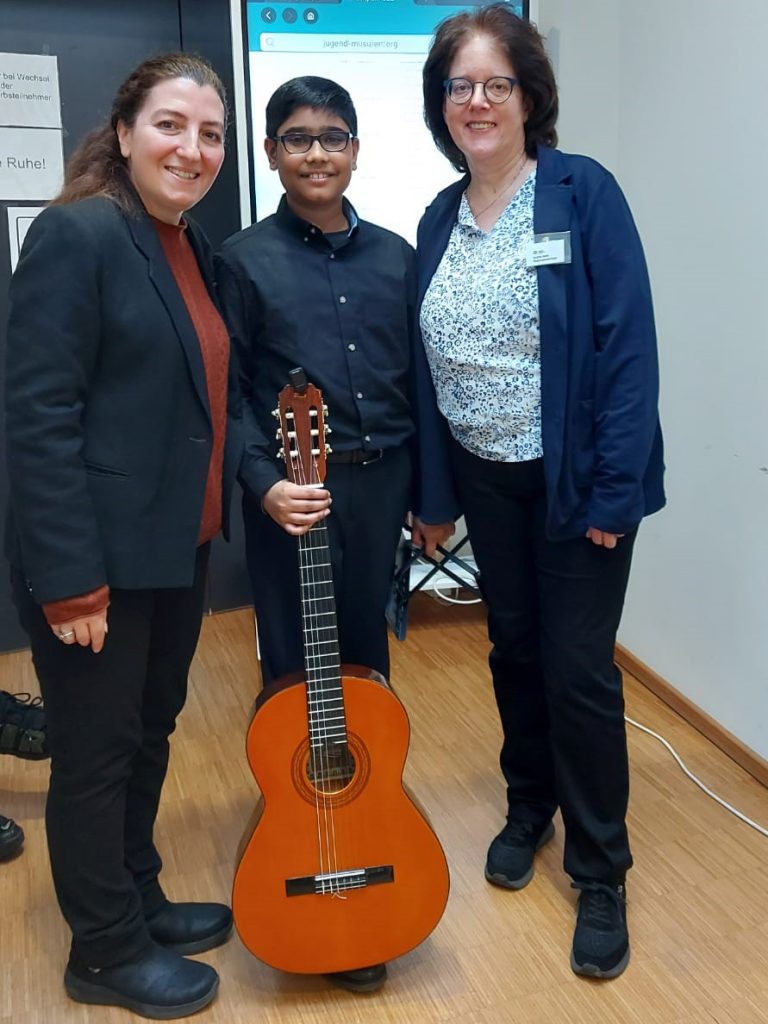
[673, 96]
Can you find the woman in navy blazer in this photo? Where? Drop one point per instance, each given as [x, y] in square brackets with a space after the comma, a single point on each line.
[120, 462]
[537, 404]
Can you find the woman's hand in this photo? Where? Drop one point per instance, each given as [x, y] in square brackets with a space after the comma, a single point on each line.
[429, 535]
[89, 631]
[602, 538]
[296, 508]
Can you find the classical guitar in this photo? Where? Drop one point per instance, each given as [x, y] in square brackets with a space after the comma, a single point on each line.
[342, 869]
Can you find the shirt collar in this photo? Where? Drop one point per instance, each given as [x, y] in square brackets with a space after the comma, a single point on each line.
[288, 219]
[465, 218]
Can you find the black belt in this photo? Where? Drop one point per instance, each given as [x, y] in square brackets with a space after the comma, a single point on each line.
[356, 457]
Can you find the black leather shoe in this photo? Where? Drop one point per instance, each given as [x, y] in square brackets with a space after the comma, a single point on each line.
[158, 984]
[364, 979]
[510, 855]
[11, 838]
[191, 927]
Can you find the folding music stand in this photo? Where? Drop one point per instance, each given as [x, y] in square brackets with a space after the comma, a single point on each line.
[451, 567]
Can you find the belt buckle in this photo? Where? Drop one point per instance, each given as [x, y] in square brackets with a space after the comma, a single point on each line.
[379, 455]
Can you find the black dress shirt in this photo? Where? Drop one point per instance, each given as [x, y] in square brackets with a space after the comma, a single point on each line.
[342, 307]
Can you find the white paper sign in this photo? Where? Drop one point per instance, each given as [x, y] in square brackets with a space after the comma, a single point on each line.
[19, 221]
[31, 163]
[29, 91]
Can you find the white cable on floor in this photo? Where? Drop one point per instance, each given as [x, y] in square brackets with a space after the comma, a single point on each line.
[692, 777]
[454, 600]
[747, 821]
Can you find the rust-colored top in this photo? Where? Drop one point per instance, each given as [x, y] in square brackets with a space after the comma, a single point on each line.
[214, 346]
[59, 613]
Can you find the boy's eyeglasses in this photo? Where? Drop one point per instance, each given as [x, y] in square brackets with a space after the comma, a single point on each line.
[301, 142]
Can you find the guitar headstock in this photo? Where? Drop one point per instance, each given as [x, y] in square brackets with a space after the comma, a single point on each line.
[303, 430]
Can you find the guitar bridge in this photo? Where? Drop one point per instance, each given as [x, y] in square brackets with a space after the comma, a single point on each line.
[339, 881]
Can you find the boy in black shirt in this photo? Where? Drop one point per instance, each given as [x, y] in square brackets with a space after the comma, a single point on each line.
[315, 286]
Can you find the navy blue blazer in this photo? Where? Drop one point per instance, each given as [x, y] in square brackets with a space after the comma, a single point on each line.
[603, 459]
[108, 426]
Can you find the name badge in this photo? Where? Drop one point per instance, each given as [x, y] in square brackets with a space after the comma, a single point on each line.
[552, 248]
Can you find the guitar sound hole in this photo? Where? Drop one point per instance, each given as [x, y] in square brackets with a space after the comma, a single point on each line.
[331, 770]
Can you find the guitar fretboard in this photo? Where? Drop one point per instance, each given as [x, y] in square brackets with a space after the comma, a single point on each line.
[325, 700]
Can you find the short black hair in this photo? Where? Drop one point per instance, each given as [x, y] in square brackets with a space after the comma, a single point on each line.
[525, 49]
[309, 91]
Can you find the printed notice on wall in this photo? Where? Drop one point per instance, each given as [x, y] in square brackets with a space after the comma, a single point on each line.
[19, 220]
[31, 158]
[31, 163]
[29, 91]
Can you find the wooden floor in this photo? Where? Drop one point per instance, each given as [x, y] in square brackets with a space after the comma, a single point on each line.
[698, 908]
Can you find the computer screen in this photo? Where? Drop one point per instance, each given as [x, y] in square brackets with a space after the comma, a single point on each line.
[376, 50]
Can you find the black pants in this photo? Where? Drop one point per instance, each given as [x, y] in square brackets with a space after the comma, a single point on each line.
[553, 613]
[367, 515]
[109, 718]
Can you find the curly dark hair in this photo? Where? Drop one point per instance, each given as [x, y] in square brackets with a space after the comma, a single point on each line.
[525, 49]
[97, 167]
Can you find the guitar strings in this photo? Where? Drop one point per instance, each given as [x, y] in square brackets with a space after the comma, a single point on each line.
[314, 692]
[321, 532]
[308, 625]
[299, 476]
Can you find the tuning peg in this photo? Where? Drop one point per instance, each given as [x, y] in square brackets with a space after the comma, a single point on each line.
[276, 413]
[328, 449]
[327, 429]
[278, 435]
[281, 454]
[325, 409]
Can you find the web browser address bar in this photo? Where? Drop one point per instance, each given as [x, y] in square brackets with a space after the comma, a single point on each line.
[306, 42]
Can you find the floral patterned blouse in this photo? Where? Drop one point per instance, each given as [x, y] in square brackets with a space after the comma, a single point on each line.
[480, 323]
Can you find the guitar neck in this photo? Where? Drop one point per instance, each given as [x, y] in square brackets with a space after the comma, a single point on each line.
[322, 661]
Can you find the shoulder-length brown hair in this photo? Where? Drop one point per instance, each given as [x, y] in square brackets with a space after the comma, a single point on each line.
[97, 167]
[525, 49]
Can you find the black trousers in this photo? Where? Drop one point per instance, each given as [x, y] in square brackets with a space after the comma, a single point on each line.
[553, 613]
[368, 511]
[109, 718]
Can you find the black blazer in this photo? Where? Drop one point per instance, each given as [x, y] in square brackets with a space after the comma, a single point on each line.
[108, 427]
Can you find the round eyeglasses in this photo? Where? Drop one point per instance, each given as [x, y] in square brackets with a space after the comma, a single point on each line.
[301, 142]
[496, 89]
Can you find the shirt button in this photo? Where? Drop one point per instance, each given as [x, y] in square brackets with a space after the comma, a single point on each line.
[367, 438]
[351, 347]
[359, 394]
[332, 256]
[342, 299]
[306, 239]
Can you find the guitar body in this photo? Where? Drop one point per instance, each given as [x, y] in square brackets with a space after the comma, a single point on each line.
[357, 835]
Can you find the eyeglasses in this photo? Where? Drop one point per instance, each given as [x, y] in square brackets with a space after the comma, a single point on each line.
[496, 89]
[301, 142]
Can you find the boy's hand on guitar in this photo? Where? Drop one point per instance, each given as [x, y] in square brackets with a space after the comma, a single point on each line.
[296, 508]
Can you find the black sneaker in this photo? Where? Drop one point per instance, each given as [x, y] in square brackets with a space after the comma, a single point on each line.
[363, 979]
[601, 939]
[510, 855]
[11, 838]
[22, 726]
